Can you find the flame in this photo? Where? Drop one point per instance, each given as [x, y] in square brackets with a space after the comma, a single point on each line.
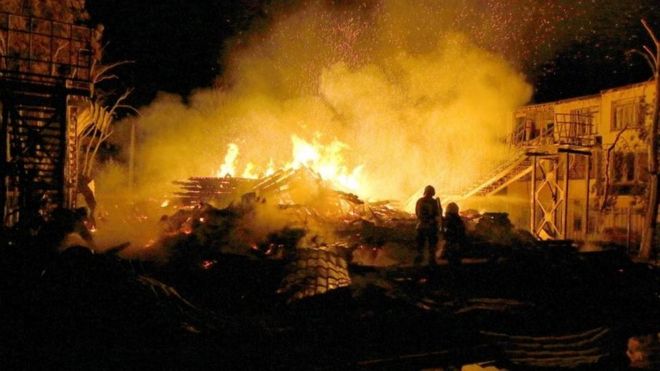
[249, 171]
[325, 159]
[270, 170]
[229, 166]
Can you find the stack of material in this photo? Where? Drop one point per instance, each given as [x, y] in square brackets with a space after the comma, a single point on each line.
[198, 190]
[567, 351]
[301, 191]
[313, 272]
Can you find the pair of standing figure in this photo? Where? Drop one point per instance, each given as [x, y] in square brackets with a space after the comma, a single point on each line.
[430, 221]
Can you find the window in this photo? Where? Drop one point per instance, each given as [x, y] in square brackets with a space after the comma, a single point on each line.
[577, 216]
[643, 167]
[629, 167]
[586, 120]
[629, 160]
[625, 113]
[617, 167]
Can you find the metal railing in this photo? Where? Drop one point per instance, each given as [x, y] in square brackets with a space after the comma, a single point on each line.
[567, 129]
[574, 129]
[45, 51]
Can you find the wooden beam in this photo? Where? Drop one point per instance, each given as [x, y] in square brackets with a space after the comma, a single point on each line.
[564, 220]
[587, 176]
[532, 197]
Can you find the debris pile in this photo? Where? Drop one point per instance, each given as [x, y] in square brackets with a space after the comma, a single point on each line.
[258, 216]
[313, 272]
[300, 189]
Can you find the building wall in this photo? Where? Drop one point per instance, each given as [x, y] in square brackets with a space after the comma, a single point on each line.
[612, 110]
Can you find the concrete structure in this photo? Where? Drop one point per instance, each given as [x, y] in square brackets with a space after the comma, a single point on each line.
[598, 143]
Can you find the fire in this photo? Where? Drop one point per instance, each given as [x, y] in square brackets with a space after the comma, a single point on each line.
[249, 171]
[229, 166]
[208, 264]
[325, 159]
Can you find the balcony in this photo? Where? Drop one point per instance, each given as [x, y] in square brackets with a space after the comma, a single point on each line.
[567, 130]
[44, 51]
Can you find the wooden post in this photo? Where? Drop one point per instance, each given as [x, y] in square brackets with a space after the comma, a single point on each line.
[586, 197]
[532, 219]
[628, 229]
[3, 160]
[131, 158]
[564, 220]
[650, 219]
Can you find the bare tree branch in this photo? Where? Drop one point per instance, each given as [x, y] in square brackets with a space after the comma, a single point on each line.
[652, 56]
[57, 52]
[650, 32]
[608, 158]
[104, 69]
[130, 108]
[120, 100]
[104, 78]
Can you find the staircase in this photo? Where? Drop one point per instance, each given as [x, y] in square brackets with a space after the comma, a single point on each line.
[35, 132]
[43, 63]
[505, 174]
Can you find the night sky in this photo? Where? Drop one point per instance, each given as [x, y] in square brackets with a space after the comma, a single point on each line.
[176, 45]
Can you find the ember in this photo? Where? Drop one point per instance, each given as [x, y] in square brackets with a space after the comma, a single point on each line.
[208, 264]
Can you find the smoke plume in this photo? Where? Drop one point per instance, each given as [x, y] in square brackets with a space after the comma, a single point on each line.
[412, 93]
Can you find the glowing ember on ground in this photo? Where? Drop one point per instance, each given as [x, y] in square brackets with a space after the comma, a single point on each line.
[208, 264]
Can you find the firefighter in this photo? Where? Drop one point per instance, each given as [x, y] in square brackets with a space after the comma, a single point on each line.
[454, 233]
[429, 214]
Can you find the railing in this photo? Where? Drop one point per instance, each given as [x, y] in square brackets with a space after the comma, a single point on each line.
[567, 129]
[526, 137]
[497, 173]
[574, 129]
[43, 50]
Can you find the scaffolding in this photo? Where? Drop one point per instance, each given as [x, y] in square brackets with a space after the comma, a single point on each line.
[44, 65]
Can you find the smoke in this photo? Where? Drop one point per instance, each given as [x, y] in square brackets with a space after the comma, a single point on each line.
[410, 90]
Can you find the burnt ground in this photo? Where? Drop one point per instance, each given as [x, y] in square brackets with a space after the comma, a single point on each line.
[526, 309]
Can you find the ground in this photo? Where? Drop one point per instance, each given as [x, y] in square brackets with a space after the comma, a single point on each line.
[529, 308]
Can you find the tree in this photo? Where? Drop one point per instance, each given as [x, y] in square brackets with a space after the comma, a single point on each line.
[648, 236]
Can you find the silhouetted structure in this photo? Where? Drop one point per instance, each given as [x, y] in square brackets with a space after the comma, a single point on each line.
[44, 64]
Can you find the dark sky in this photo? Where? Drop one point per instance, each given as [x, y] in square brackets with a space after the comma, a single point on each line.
[176, 45]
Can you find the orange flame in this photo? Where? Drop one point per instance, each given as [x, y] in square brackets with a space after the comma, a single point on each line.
[229, 166]
[324, 159]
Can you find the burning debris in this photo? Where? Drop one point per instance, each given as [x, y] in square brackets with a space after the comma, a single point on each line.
[294, 198]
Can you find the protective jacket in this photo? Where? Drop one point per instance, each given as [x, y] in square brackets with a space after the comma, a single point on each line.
[428, 213]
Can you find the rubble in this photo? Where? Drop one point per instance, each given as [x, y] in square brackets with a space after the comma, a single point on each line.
[313, 272]
[322, 279]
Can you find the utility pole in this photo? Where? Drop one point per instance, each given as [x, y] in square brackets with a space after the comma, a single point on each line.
[131, 159]
[651, 216]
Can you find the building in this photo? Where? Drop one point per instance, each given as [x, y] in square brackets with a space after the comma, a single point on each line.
[45, 65]
[598, 143]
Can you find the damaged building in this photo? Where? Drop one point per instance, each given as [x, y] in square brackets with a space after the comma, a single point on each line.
[602, 138]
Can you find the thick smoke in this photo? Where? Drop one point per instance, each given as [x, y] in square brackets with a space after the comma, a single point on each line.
[416, 102]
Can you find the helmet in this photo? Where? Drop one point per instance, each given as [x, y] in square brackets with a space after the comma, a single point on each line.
[452, 208]
[429, 191]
